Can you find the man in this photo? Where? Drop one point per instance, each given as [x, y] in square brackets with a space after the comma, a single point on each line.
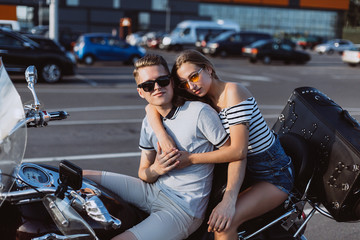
[176, 199]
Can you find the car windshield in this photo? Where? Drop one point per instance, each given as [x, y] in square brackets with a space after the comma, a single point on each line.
[222, 36]
[259, 43]
[26, 39]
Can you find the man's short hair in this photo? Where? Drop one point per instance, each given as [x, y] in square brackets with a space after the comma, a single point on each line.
[147, 61]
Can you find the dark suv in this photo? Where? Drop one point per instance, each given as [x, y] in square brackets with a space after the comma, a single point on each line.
[231, 43]
[18, 52]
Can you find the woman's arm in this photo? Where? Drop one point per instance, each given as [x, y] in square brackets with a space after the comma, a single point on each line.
[222, 215]
[166, 142]
[236, 150]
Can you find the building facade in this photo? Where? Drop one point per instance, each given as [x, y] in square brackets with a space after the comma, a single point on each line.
[315, 17]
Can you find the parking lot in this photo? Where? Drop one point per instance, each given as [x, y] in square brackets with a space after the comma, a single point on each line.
[106, 112]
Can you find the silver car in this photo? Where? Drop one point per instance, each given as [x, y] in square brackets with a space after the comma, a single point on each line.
[335, 45]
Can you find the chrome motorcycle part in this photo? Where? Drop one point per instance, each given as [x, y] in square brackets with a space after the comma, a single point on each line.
[35, 176]
[31, 78]
[96, 209]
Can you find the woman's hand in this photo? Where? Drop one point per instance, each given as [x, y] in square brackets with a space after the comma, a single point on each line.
[221, 216]
[165, 161]
[184, 159]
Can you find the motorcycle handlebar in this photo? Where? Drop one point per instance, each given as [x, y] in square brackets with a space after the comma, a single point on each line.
[59, 115]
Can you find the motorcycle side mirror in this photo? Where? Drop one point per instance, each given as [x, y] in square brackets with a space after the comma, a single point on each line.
[70, 174]
[31, 79]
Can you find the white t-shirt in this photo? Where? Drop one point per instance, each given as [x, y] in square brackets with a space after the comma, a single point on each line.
[195, 128]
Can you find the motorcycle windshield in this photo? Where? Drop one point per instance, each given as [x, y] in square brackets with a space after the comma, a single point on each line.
[12, 132]
[69, 222]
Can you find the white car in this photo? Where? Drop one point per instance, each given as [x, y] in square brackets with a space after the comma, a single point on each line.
[335, 45]
[352, 56]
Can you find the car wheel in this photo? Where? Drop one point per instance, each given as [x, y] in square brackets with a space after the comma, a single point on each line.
[252, 60]
[266, 60]
[89, 60]
[51, 73]
[223, 54]
[352, 64]
[178, 48]
[330, 52]
[132, 59]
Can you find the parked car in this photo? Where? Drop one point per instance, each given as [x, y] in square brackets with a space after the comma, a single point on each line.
[204, 39]
[18, 52]
[67, 37]
[188, 32]
[231, 43]
[271, 50]
[93, 47]
[50, 44]
[351, 56]
[309, 42]
[334, 45]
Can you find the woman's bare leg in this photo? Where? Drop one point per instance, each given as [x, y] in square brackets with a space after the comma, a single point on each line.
[254, 201]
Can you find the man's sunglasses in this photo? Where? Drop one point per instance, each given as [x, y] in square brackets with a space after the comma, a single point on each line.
[193, 78]
[149, 86]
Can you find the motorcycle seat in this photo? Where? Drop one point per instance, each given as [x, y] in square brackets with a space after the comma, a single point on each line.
[300, 152]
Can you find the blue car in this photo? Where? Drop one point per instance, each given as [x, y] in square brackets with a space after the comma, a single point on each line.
[93, 47]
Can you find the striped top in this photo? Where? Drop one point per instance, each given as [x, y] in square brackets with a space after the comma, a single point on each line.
[260, 136]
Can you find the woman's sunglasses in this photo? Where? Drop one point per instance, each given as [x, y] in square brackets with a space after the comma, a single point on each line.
[193, 78]
[149, 86]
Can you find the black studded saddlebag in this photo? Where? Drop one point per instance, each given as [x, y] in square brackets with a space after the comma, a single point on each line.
[335, 137]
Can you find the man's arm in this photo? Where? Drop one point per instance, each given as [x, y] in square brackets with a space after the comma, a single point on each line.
[153, 165]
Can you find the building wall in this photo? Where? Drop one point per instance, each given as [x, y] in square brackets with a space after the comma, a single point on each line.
[320, 17]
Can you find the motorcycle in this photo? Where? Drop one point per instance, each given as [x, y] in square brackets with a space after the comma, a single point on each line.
[42, 202]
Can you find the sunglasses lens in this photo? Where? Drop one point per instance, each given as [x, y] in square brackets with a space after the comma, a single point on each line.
[148, 86]
[194, 78]
[163, 81]
[184, 85]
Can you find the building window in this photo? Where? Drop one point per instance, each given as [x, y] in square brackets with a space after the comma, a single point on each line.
[144, 20]
[72, 2]
[116, 3]
[275, 20]
[159, 5]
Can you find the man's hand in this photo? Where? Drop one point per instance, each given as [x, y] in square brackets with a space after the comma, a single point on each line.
[221, 216]
[165, 161]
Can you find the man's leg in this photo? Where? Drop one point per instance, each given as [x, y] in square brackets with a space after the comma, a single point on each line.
[125, 236]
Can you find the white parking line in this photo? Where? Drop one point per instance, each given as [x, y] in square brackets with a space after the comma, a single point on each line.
[245, 77]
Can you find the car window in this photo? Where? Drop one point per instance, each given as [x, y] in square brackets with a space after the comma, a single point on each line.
[186, 31]
[117, 42]
[248, 38]
[98, 40]
[6, 40]
[235, 38]
[285, 47]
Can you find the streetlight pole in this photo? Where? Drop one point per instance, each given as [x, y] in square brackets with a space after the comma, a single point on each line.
[168, 16]
[53, 20]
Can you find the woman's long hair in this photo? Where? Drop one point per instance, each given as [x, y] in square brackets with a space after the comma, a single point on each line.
[198, 59]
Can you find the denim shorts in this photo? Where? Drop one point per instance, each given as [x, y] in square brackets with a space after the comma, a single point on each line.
[273, 166]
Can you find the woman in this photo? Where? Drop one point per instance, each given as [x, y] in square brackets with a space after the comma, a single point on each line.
[254, 149]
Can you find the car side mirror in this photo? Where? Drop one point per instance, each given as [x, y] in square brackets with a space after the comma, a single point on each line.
[27, 45]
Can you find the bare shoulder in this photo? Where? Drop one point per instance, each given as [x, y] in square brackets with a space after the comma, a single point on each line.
[236, 93]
